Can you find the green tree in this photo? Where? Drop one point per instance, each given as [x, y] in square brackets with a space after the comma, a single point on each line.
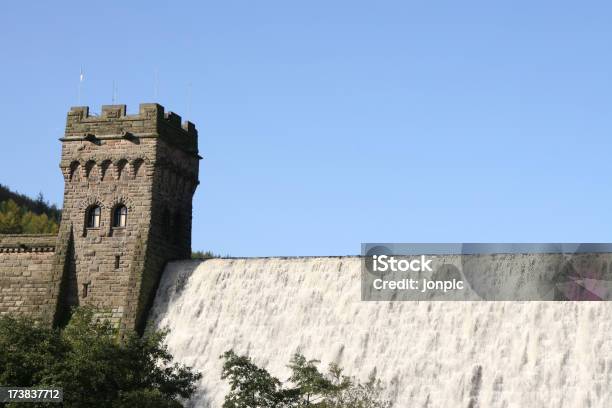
[40, 205]
[312, 385]
[253, 387]
[10, 218]
[27, 351]
[352, 394]
[37, 224]
[92, 366]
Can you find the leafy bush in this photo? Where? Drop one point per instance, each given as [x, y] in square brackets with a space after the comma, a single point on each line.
[252, 386]
[92, 366]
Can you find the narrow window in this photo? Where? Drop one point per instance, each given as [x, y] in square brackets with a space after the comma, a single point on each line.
[93, 217]
[120, 216]
[85, 289]
[117, 261]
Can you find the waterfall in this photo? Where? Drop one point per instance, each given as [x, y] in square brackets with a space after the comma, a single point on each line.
[427, 353]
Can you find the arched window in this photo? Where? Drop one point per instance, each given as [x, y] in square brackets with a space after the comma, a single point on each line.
[93, 217]
[120, 216]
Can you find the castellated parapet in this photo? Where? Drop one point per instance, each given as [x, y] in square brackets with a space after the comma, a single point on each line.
[129, 184]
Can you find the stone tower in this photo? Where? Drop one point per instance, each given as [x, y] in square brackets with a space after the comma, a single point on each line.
[129, 184]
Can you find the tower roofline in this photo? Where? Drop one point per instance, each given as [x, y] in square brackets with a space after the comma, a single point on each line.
[113, 122]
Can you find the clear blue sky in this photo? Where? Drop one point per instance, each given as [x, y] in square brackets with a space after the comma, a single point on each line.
[325, 124]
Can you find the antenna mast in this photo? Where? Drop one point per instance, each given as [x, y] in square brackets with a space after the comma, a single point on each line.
[189, 86]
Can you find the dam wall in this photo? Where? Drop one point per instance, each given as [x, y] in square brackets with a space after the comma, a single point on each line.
[427, 353]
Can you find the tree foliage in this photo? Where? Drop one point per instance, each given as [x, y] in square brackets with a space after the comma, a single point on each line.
[19, 220]
[37, 205]
[92, 366]
[204, 255]
[253, 387]
[250, 386]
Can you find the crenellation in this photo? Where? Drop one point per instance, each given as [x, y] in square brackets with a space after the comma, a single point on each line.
[189, 127]
[113, 122]
[173, 118]
[77, 114]
[113, 111]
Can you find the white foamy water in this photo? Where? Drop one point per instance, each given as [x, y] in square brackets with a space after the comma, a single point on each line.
[428, 354]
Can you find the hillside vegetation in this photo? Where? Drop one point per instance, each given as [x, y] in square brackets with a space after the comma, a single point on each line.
[20, 214]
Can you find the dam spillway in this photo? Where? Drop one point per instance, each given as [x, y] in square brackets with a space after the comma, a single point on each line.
[427, 353]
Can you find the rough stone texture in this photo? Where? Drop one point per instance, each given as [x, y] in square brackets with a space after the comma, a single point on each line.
[146, 162]
[31, 270]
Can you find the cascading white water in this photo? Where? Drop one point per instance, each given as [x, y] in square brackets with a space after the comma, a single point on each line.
[428, 354]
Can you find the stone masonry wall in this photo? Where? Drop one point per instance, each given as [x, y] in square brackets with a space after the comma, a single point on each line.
[117, 174]
[30, 274]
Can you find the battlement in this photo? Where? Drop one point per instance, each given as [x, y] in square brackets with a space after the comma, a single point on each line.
[114, 122]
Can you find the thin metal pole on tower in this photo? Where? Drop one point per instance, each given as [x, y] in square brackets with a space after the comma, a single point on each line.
[81, 77]
[155, 84]
[189, 86]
